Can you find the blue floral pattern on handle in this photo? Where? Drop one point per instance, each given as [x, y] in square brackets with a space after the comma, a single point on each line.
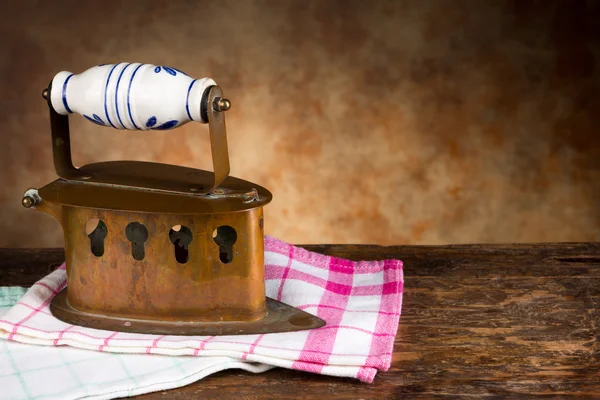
[151, 122]
[166, 125]
[168, 70]
[97, 120]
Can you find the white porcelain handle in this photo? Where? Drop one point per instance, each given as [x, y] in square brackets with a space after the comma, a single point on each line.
[131, 96]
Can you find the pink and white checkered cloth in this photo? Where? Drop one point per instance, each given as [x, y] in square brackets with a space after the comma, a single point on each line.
[360, 302]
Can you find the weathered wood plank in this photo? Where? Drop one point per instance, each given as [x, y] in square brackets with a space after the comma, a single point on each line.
[493, 321]
[459, 261]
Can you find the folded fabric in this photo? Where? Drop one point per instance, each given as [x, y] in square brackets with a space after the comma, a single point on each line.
[64, 373]
[360, 302]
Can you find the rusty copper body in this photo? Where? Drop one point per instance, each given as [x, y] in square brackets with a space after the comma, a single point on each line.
[155, 248]
[203, 285]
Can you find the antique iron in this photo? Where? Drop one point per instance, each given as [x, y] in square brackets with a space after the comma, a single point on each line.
[157, 248]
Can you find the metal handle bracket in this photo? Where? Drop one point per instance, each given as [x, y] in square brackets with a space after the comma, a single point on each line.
[212, 108]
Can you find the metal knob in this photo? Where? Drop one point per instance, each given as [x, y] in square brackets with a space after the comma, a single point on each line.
[31, 198]
[222, 104]
[28, 201]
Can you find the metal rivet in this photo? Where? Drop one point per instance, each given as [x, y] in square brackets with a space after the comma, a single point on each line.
[222, 104]
[28, 201]
[45, 94]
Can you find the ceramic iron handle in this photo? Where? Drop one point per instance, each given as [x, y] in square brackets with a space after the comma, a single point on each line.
[136, 96]
[132, 96]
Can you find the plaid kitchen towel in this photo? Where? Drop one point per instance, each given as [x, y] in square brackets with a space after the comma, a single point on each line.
[360, 302]
[63, 373]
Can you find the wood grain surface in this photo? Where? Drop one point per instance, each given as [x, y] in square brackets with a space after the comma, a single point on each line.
[494, 321]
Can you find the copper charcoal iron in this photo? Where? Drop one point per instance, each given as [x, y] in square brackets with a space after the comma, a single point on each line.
[156, 248]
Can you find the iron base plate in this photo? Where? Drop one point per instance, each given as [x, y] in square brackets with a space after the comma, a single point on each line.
[280, 317]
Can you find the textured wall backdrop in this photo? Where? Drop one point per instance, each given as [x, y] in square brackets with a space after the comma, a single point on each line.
[370, 121]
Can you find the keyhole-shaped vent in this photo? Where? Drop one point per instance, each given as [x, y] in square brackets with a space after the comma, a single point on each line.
[225, 236]
[137, 235]
[97, 231]
[181, 237]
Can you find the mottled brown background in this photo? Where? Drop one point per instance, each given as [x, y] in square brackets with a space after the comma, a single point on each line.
[371, 121]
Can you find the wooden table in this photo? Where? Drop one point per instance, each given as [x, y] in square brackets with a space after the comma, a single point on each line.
[478, 320]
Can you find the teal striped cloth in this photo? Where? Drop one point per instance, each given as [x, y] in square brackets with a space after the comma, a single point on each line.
[65, 373]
